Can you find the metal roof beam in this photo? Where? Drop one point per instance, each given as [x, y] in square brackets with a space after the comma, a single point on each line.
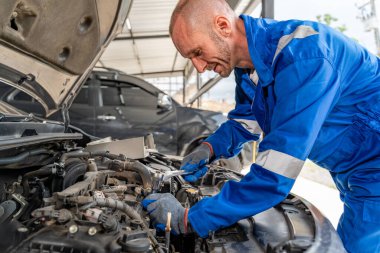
[206, 87]
[159, 74]
[160, 36]
[188, 70]
[175, 60]
[267, 10]
[252, 6]
[233, 3]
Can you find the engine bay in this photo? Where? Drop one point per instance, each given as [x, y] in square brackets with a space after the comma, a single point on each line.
[56, 196]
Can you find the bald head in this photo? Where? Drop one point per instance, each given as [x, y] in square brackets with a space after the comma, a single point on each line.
[199, 14]
[209, 34]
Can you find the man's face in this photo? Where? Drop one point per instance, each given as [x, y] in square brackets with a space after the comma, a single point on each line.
[206, 50]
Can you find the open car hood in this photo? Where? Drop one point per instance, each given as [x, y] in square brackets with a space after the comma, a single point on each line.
[47, 48]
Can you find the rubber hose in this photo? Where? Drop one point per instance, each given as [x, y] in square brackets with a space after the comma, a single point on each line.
[119, 205]
[85, 154]
[142, 171]
[22, 156]
[74, 170]
[46, 170]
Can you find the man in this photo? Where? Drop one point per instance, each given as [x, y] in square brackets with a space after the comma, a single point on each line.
[312, 92]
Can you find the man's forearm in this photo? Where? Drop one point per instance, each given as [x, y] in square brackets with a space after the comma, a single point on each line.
[259, 190]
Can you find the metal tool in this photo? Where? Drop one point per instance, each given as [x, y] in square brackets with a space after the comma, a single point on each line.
[161, 177]
[167, 231]
[173, 173]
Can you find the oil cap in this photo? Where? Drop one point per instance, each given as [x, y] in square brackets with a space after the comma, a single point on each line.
[140, 245]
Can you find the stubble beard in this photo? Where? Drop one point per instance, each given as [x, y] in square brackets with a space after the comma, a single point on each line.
[224, 54]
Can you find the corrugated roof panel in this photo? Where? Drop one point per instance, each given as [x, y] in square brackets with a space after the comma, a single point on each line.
[119, 50]
[147, 47]
[161, 46]
[151, 16]
[130, 67]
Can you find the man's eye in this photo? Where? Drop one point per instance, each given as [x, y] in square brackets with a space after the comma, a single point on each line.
[198, 53]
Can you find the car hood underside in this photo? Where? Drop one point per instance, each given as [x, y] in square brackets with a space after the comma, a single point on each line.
[48, 47]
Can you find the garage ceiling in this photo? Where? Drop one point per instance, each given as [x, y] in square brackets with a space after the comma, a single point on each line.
[144, 47]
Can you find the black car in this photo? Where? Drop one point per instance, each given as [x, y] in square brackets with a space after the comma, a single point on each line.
[62, 192]
[114, 104]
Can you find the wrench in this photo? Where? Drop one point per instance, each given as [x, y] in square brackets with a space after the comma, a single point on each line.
[173, 173]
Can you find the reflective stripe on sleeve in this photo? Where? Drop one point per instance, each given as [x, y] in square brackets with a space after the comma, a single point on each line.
[254, 77]
[280, 163]
[251, 125]
[301, 32]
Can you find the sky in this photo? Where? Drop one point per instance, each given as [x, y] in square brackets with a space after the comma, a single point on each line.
[344, 10]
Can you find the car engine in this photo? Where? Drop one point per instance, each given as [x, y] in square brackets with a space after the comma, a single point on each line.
[56, 196]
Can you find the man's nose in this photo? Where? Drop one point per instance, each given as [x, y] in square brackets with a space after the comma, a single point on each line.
[199, 64]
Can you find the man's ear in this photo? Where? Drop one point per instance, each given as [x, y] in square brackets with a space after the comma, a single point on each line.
[223, 26]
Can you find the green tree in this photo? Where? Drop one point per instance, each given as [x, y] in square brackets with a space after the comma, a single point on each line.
[329, 20]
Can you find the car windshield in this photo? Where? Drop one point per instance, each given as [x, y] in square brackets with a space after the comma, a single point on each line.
[8, 110]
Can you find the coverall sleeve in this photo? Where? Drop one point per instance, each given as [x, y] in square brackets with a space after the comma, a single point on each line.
[241, 126]
[305, 92]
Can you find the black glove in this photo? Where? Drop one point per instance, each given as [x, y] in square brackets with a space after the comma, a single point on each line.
[159, 204]
[195, 162]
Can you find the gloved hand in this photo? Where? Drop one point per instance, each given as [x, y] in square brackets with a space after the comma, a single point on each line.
[195, 162]
[159, 204]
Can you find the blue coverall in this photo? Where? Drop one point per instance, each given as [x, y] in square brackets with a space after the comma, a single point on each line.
[315, 94]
